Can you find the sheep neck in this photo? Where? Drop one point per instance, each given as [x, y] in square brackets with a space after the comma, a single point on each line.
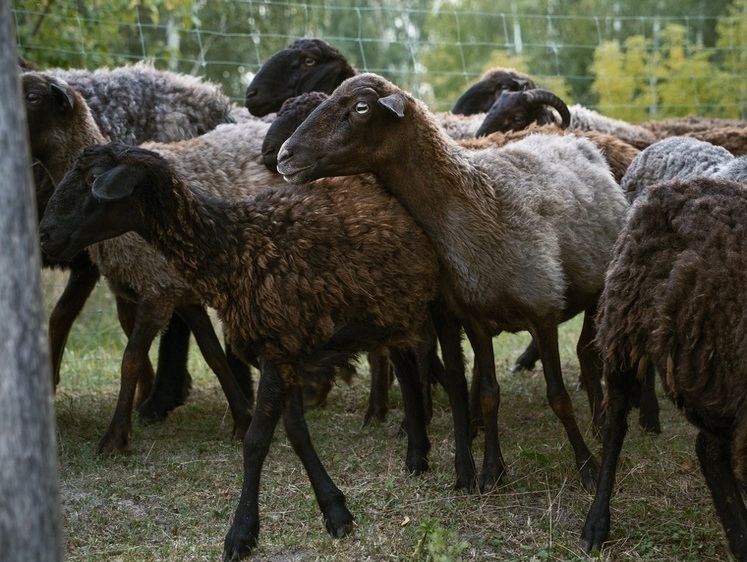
[463, 213]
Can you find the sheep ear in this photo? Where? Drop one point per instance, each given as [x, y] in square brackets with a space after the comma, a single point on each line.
[394, 103]
[63, 97]
[522, 83]
[115, 184]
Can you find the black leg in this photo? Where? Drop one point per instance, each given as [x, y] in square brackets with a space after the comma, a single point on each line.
[619, 388]
[331, 500]
[418, 445]
[244, 531]
[716, 464]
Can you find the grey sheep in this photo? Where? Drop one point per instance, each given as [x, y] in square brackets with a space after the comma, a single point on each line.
[135, 104]
[735, 170]
[303, 277]
[523, 233]
[138, 103]
[673, 157]
[227, 161]
[675, 296]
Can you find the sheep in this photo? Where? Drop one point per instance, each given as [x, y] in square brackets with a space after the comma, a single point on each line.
[134, 271]
[480, 96]
[135, 104]
[516, 110]
[302, 277]
[673, 157]
[675, 296]
[292, 113]
[516, 249]
[618, 153]
[306, 65]
[138, 103]
[313, 65]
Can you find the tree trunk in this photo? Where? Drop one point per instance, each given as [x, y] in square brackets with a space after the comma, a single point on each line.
[30, 521]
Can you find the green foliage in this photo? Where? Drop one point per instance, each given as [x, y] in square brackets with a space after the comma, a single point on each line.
[438, 544]
[668, 76]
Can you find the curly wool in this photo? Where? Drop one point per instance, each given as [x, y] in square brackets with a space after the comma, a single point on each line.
[138, 103]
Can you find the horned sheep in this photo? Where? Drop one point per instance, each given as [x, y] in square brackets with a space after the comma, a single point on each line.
[532, 262]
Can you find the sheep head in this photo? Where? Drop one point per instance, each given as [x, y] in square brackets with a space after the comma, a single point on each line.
[50, 103]
[480, 96]
[514, 111]
[306, 65]
[91, 202]
[347, 134]
[293, 112]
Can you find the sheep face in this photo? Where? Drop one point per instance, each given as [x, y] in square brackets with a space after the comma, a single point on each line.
[90, 203]
[480, 96]
[49, 102]
[347, 134]
[291, 115]
[514, 111]
[306, 65]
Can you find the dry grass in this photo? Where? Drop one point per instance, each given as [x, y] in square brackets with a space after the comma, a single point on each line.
[172, 496]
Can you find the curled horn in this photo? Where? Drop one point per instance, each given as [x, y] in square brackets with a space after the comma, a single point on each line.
[538, 96]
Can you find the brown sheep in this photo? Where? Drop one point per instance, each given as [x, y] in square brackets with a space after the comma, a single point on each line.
[523, 233]
[675, 296]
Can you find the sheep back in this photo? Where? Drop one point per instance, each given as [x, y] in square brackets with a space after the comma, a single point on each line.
[137, 103]
[673, 157]
[676, 290]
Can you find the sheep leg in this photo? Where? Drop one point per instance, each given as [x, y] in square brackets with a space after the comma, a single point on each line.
[455, 384]
[493, 465]
[126, 314]
[381, 376]
[148, 322]
[546, 337]
[619, 389]
[528, 359]
[716, 464]
[418, 445]
[590, 363]
[199, 322]
[337, 518]
[78, 288]
[242, 372]
[648, 404]
[173, 382]
[243, 533]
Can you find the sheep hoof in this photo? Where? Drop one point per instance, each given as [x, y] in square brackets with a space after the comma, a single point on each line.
[376, 414]
[113, 442]
[339, 522]
[239, 543]
[417, 465]
[490, 477]
[594, 534]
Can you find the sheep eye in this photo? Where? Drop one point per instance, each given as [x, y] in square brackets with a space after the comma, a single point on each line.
[308, 61]
[33, 98]
[361, 108]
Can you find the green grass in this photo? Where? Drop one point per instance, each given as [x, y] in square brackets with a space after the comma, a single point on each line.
[173, 494]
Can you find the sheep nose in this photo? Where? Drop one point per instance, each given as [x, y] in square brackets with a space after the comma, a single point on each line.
[284, 154]
[251, 92]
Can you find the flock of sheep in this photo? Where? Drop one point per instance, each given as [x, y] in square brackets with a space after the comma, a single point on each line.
[339, 215]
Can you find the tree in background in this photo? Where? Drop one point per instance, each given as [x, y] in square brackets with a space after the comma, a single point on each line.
[732, 31]
[668, 76]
